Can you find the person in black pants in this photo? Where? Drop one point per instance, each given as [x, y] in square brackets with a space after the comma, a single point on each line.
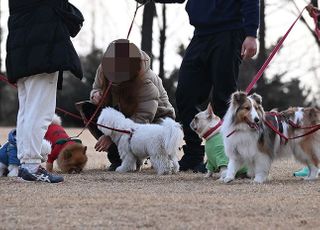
[225, 32]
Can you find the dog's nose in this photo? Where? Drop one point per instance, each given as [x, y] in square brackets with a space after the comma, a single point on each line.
[256, 120]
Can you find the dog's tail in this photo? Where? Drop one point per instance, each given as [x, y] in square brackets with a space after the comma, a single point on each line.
[173, 137]
[56, 120]
[45, 149]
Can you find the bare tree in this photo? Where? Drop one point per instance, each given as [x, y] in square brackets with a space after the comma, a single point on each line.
[162, 42]
[149, 12]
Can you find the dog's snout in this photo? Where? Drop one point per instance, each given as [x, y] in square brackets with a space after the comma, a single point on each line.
[256, 119]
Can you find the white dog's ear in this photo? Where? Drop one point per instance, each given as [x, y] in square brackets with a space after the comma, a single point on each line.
[210, 110]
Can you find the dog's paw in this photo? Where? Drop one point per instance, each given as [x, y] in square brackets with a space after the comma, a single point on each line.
[258, 181]
[223, 174]
[121, 169]
[228, 179]
[309, 178]
[208, 174]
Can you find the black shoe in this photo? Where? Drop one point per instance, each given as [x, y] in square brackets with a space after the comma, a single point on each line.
[200, 167]
[41, 175]
[113, 167]
[193, 156]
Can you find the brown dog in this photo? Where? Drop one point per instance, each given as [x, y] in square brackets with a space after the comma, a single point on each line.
[69, 153]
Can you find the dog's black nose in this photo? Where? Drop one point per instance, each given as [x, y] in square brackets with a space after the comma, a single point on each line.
[256, 120]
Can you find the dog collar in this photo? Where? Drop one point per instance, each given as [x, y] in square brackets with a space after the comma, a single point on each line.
[65, 140]
[210, 131]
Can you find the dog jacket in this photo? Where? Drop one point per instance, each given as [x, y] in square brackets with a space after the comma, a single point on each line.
[8, 152]
[54, 134]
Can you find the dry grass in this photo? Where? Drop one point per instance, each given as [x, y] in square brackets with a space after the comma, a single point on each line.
[97, 199]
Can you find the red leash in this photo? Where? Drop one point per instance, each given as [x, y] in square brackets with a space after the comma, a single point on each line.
[315, 16]
[134, 17]
[313, 128]
[3, 78]
[274, 51]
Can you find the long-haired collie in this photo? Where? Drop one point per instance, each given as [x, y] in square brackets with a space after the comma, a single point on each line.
[249, 140]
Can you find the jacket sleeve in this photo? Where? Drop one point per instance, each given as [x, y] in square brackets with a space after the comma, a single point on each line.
[148, 104]
[170, 1]
[98, 83]
[250, 11]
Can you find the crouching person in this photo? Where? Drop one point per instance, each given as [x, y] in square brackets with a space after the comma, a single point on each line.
[136, 91]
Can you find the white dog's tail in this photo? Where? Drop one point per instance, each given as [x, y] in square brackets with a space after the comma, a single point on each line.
[56, 120]
[174, 135]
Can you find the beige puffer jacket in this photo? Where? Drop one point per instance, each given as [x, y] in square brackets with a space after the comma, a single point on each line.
[153, 99]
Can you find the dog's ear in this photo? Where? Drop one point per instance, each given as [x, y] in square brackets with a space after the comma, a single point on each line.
[67, 154]
[257, 98]
[238, 97]
[210, 110]
[313, 115]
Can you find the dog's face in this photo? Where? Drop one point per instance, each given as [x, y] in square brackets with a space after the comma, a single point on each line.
[303, 115]
[247, 109]
[72, 158]
[204, 120]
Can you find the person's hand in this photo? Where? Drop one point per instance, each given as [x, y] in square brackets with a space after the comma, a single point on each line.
[310, 8]
[249, 47]
[103, 143]
[96, 97]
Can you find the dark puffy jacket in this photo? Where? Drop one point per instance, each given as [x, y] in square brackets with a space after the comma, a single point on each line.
[38, 40]
[212, 16]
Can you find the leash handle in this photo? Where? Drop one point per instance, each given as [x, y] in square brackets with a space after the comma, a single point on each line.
[315, 16]
[274, 51]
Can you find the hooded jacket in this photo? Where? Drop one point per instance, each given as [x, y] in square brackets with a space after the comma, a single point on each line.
[38, 40]
[153, 101]
[8, 152]
[212, 16]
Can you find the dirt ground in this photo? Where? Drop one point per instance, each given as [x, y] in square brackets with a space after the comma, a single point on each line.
[97, 199]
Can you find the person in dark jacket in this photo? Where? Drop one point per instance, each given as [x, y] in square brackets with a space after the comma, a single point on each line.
[38, 51]
[225, 33]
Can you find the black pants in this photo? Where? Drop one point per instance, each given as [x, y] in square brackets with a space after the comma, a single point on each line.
[86, 110]
[210, 63]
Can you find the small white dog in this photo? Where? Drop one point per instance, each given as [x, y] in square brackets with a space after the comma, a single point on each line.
[160, 142]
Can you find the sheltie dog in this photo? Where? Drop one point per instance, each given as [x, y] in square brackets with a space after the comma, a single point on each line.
[250, 139]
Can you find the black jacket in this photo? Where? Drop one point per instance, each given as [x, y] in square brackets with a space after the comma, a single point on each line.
[38, 40]
[212, 16]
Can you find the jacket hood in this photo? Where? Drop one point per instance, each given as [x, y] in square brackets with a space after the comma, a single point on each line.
[145, 62]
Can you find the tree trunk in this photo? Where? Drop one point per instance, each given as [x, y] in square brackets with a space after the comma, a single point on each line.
[262, 55]
[314, 3]
[162, 42]
[147, 23]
